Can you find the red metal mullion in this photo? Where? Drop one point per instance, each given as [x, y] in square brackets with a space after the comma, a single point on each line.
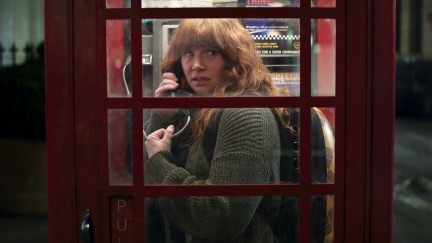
[383, 115]
[135, 4]
[219, 190]
[356, 119]
[60, 119]
[136, 97]
[283, 12]
[234, 190]
[215, 102]
[103, 169]
[340, 139]
[305, 4]
[305, 180]
[201, 102]
[102, 113]
[137, 124]
[369, 73]
[102, 91]
[340, 161]
[228, 12]
[305, 121]
[88, 114]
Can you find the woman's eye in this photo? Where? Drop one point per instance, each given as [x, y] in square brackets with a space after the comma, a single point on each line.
[187, 54]
[212, 53]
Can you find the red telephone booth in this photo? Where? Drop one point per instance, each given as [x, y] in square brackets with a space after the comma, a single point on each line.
[102, 64]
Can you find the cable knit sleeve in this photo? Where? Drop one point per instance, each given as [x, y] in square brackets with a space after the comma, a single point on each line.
[246, 152]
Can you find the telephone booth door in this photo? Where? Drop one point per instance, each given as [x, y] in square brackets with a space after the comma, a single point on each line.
[102, 67]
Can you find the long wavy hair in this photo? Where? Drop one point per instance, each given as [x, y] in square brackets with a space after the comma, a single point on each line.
[244, 72]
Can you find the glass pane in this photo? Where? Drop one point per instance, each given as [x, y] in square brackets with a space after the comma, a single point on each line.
[148, 57]
[218, 3]
[224, 148]
[322, 145]
[118, 3]
[323, 3]
[222, 219]
[278, 43]
[120, 163]
[118, 48]
[322, 219]
[323, 57]
[272, 42]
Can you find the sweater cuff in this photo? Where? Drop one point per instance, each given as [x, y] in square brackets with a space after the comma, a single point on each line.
[158, 166]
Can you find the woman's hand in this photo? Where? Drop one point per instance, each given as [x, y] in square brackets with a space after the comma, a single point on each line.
[159, 140]
[169, 83]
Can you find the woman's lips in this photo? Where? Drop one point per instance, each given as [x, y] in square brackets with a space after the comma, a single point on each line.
[200, 81]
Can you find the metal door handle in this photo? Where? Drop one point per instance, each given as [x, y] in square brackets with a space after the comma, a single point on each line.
[87, 227]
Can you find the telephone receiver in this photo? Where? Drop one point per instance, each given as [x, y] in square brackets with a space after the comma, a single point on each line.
[178, 72]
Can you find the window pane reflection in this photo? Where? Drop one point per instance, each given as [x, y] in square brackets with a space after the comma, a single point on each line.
[322, 145]
[323, 57]
[222, 151]
[276, 42]
[118, 49]
[222, 219]
[322, 219]
[120, 147]
[118, 3]
[323, 3]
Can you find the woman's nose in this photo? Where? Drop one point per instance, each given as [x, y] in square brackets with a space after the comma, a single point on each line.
[197, 63]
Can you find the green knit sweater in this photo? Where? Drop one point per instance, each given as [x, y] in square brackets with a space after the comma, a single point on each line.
[246, 151]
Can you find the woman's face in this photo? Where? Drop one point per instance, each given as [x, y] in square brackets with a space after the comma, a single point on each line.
[203, 69]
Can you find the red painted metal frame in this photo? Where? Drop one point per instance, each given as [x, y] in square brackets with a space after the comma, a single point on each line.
[60, 121]
[77, 103]
[137, 103]
[356, 122]
[383, 115]
[87, 116]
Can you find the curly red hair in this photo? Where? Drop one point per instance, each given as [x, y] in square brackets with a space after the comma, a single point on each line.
[245, 72]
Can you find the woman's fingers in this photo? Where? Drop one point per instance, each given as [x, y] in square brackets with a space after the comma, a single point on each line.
[159, 140]
[168, 134]
[157, 135]
[169, 75]
[168, 83]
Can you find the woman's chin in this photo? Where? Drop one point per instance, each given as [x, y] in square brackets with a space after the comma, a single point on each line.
[202, 92]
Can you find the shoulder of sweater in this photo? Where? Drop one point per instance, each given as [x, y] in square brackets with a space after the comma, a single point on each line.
[249, 113]
[247, 116]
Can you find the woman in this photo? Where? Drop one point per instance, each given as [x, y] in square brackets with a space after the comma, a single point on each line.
[223, 146]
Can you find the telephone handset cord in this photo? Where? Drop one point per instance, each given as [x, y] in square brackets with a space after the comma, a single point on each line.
[179, 131]
[128, 93]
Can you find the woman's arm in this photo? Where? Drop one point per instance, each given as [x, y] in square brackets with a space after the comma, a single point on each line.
[246, 152]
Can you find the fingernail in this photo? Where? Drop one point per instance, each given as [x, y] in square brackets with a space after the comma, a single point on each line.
[171, 127]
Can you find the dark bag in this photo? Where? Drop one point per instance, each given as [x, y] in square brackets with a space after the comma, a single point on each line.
[285, 224]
